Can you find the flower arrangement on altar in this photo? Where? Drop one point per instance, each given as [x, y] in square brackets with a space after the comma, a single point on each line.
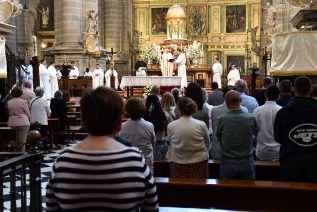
[195, 51]
[152, 52]
[147, 91]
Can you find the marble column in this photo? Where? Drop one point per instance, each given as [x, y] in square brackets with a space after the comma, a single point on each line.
[116, 25]
[70, 25]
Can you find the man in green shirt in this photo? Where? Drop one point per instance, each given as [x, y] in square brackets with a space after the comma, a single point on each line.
[234, 131]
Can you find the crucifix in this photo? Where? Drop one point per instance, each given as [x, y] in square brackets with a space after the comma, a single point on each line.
[112, 78]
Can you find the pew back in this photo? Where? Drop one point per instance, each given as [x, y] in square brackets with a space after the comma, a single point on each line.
[236, 194]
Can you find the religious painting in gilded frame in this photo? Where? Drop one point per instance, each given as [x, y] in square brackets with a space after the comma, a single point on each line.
[235, 18]
[197, 20]
[238, 61]
[158, 22]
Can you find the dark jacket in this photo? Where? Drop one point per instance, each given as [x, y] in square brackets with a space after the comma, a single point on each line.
[59, 110]
[295, 128]
[154, 113]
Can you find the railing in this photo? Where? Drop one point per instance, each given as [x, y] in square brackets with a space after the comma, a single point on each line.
[17, 166]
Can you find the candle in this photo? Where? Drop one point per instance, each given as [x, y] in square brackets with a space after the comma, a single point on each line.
[65, 59]
[34, 38]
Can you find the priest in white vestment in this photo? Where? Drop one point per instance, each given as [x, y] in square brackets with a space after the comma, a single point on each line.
[97, 77]
[74, 73]
[111, 72]
[45, 80]
[233, 75]
[166, 66]
[29, 74]
[217, 72]
[180, 61]
[53, 78]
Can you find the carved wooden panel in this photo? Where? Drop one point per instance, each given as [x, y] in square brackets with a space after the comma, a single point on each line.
[215, 19]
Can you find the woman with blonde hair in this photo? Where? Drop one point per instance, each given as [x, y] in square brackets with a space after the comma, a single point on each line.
[168, 106]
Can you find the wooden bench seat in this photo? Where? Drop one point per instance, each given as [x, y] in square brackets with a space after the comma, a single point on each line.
[236, 194]
[265, 170]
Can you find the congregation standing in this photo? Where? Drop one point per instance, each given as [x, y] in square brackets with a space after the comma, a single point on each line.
[186, 128]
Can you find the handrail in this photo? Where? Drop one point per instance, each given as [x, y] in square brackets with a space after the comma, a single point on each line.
[17, 165]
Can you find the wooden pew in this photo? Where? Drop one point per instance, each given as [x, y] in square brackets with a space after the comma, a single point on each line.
[265, 170]
[178, 209]
[236, 194]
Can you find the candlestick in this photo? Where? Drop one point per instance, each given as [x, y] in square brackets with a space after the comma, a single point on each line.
[34, 40]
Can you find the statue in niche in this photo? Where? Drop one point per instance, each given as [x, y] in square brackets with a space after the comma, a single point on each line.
[92, 44]
[44, 16]
[92, 22]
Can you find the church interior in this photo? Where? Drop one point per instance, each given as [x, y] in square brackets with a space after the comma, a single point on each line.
[134, 46]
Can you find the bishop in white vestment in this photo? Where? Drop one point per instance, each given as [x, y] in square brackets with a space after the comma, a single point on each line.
[166, 66]
[97, 77]
[217, 72]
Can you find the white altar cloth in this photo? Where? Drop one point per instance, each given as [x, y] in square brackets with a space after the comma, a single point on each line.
[130, 81]
[294, 52]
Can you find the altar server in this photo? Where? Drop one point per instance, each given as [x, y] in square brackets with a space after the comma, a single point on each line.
[45, 79]
[53, 78]
[97, 78]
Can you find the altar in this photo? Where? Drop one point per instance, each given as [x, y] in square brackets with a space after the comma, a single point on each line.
[142, 81]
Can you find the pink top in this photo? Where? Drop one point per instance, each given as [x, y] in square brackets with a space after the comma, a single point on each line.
[28, 95]
[19, 113]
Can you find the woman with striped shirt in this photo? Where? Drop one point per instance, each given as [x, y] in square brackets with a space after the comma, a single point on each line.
[100, 174]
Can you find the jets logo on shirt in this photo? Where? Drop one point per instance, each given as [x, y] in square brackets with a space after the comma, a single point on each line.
[304, 134]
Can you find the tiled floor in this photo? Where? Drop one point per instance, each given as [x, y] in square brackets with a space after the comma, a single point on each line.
[45, 173]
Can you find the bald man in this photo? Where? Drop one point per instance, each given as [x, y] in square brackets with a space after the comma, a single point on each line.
[235, 129]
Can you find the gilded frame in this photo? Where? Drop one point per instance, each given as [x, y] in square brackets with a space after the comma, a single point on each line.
[236, 19]
[197, 20]
[158, 21]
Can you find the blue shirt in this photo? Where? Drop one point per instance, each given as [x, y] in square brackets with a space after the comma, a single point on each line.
[249, 102]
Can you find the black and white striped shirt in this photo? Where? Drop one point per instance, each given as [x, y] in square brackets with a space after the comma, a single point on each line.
[116, 180]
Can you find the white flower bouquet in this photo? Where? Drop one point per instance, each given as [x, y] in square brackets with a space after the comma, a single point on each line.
[147, 91]
[152, 52]
[194, 51]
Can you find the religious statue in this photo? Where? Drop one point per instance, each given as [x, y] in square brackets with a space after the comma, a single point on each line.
[9, 9]
[44, 16]
[92, 22]
[271, 20]
[134, 45]
[255, 48]
[92, 44]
